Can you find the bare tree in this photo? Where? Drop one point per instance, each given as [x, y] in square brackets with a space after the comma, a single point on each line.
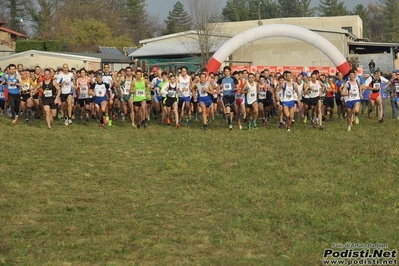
[205, 15]
[41, 14]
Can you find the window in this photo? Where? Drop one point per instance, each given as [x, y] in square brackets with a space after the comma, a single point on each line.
[349, 29]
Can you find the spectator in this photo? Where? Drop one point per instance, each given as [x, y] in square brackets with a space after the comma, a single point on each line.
[388, 75]
[372, 66]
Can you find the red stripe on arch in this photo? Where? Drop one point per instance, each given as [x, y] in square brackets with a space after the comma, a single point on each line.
[213, 65]
[344, 68]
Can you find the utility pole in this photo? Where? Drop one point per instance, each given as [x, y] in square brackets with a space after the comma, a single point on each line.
[259, 22]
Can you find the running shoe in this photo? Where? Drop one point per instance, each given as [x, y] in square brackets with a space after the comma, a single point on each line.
[15, 120]
[66, 122]
[255, 125]
[230, 127]
[356, 121]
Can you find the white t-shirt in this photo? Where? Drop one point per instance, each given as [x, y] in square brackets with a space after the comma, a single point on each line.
[66, 88]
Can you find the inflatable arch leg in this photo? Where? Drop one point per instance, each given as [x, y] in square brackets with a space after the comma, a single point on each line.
[279, 30]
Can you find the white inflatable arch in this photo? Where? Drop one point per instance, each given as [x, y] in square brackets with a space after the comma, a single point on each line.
[279, 30]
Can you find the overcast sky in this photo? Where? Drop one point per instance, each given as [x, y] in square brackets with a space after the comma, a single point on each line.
[162, 7]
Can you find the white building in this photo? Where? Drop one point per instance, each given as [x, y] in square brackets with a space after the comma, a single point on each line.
[344, 32]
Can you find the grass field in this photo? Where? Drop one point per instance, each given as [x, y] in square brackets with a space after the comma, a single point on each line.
[79, 195]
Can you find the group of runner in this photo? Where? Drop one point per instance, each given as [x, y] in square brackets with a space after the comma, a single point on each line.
[241, 96]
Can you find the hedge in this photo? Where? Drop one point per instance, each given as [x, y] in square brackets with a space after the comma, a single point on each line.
[50, 45]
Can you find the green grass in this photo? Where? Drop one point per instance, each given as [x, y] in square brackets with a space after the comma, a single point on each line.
[79, 195]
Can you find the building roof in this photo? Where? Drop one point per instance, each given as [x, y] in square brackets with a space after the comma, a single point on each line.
[105, 58]
[109, 50]
[380, 44]
[183, 33]
[93, 57]
[52, 54]
[12, 32]
[129, 50]
[171, 48]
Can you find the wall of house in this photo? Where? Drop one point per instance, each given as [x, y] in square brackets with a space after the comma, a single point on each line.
[6, 39]
[385, 62]
[336, 23]
[44, 61]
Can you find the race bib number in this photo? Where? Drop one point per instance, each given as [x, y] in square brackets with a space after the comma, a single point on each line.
[288, 96]
[227, 87]
[83, 92]
[172, 94]
[262, 95]
[126, 87]
[252, 95]
[122, 88]
[12, 86]
[126, 90]
[354, 95]
[376, 86]
[397, 89]
[25, 87]
[65, 90]
[203, 93]
[140, 93]
[315, 91]
[99, 93]
[1, 95]
[48, 93]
